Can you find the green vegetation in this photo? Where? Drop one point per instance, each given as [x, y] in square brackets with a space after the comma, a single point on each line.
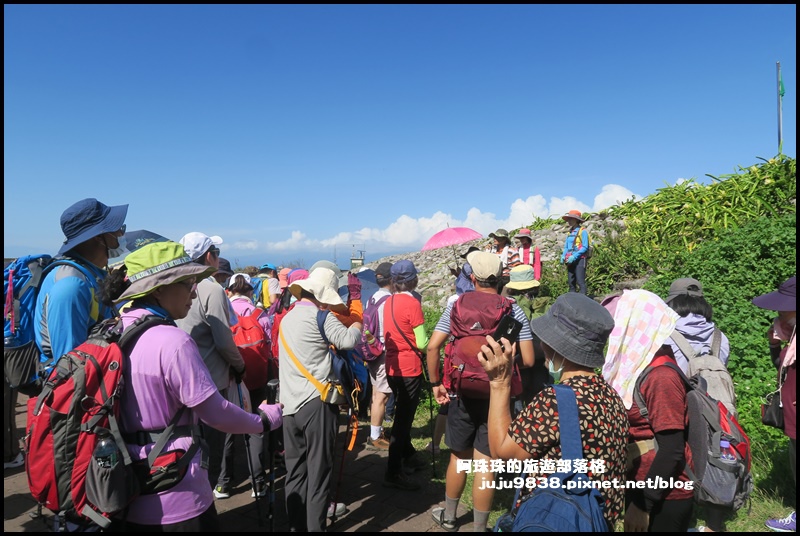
[737, 236]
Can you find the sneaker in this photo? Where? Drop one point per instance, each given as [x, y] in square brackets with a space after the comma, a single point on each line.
[337, 509]
[260, 490]
[787, 524]
[400, 481]
[377, 444]
[222, 492]
[447, 524]
[16, 462]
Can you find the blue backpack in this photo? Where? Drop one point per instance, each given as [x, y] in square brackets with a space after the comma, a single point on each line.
[21, 282]
[348, 368]
[561, 509]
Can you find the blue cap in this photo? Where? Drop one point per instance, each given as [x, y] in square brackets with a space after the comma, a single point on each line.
[403, 271]
[267, 266]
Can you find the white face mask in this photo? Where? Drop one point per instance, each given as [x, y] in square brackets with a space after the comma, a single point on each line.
[120, 250]
[556, 374]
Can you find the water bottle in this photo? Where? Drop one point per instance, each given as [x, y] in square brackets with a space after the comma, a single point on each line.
[725, 451]
[368, 336]
[106, 453]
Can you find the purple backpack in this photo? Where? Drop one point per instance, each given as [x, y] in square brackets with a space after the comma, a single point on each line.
[370, 351]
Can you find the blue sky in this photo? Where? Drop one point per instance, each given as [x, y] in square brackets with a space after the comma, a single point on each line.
[305, 132]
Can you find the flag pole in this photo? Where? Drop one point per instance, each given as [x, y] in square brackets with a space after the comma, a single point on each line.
[780, 109]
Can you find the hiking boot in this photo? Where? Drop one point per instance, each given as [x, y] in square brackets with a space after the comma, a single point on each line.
[260, 490]
[377, 444]
[400, 481]
[447, 524]
[787, 524]
[222, 492]
[336, 508]
[413, 463]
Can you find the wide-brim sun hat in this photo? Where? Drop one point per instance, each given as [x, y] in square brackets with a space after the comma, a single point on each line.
[341, 276]
[577, 328]
[89, 218]
[783, 299]
[574, 214]
[157, 265]
[522, 278]
[322, 283]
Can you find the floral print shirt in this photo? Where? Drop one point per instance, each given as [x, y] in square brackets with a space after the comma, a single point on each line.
[604, 433]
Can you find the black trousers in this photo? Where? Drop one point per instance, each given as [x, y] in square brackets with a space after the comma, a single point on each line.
[406, 393]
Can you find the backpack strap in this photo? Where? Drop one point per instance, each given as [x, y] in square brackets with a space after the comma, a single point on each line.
[569, 427]
[685, 347]
[316, 383]
[716, 341]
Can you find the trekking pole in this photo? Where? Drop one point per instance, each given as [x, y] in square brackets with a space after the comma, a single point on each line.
[250, 461]
[341, 465]
[272, 446]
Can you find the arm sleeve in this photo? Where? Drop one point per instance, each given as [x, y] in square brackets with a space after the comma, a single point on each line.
[221, 415]
[355, 313]
[669, 462]
[421, 337]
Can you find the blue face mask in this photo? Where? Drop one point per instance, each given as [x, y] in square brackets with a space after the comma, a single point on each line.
[556, 374]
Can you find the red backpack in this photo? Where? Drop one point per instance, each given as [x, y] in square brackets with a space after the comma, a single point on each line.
[79, 402]
[473, 316]
[254, 346]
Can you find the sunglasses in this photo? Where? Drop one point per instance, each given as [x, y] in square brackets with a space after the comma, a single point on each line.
[120, 231]
[190, 284]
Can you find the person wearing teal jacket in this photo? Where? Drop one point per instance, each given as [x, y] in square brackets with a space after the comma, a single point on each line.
[575, 248]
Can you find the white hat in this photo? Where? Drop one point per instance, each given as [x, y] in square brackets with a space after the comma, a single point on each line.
[196, 244]
[485, 265]
[239, 275]
[323, 284]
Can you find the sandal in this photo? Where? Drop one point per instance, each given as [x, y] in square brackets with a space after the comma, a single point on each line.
[447, 524]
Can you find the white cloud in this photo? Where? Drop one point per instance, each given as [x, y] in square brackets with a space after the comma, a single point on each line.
[407, 233]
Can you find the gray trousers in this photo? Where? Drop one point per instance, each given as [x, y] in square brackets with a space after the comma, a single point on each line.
[309, 437]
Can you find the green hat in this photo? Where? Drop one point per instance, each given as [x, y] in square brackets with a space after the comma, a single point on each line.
[157, 265]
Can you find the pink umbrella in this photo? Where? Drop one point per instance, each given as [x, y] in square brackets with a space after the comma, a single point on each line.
[450, 237]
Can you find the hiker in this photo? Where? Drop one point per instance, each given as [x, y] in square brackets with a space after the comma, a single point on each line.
[405, 339]
[354, 308]
[523, 289]
[283, 278]
[223, 273]
[573, 334]
[209, 324]
[686, 298]
[782, 348]
[575, 248]
[377, 367]
[657, 444]
[67, 306]
[310, 424]
[240, 292]
[467, 418]
[528, 254]
[268, 274]
[166, 373]
[509, 256]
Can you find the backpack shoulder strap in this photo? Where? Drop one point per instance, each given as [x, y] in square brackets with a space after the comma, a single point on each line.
[132, 333]
[321, 316]
[637, 391]
[684, 345]
[716, 341]
[568, 423]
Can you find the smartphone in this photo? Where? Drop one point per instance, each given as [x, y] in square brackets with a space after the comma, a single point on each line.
[509, 327]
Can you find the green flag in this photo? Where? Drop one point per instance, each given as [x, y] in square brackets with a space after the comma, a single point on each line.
[781, 89]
